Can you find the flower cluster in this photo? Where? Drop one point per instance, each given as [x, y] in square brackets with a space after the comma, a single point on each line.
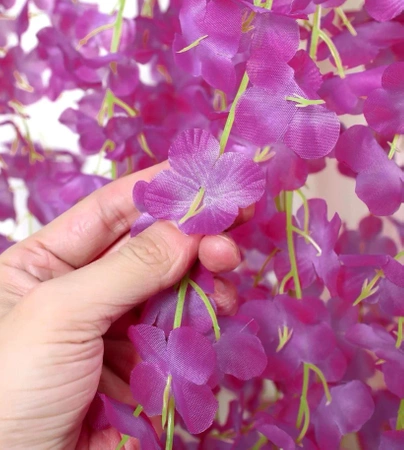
[238, 103]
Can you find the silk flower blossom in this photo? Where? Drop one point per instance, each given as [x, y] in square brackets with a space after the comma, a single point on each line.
[203, 190]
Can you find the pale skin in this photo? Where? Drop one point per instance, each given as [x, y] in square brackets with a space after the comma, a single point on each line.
[67, 296]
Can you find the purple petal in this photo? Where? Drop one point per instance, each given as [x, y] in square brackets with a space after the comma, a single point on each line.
[196, 404]
[121, 417]
[285, 171]
[277, 436]
[241, 355]
[381, 189]
[147, 384]
[141, 223]
[313, 132]
[351, 407]
[149, 342]
[384, 10]
[383, 110]
[190, 355]
[193, 153]
[170, 195]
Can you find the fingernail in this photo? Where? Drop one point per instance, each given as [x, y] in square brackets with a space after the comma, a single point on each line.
[232, 244]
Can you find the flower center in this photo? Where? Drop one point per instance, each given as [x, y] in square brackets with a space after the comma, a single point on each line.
[196, 206]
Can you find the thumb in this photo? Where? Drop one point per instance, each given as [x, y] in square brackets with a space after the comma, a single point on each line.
[91, 298]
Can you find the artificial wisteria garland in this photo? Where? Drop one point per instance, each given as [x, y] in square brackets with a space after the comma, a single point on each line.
[237, 103]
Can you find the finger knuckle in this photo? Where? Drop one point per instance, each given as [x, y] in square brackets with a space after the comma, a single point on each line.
[148, 251]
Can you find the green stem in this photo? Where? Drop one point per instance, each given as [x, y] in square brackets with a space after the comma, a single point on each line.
[193, 44]
[291, 245]
[393, 147]
[302, 102]
[170, 424]
[125, 437]
[400, 417]
[195, 207]
[315, 33]
[334, 52]
[308, 239]
[346, 21]
[303, 397]
[232, 113]
[116, 37]
[261, 441]
[208, 306]
[114, 170]
[304, 410]
[400, 332]
[181, 300]
[320, 374]
[258, 277]
[369, 289]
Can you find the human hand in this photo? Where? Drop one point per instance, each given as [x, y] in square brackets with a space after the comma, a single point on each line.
[62, 289]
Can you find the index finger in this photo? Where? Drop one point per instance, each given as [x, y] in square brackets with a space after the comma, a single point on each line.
[85, 231]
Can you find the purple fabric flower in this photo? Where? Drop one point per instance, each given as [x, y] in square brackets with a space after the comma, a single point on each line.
[71, 188]
[351, 407]
[379, 181]
[306, 335]
[203, 191]
[160, 309]
[372, 37]
[386, 407]
[310, 263]
[377, 340]
[266, 114]
[105, 412]
[383, 108]
[217, 26]
[187, 357]
[239, 351]
[346, 95]
[383, 10]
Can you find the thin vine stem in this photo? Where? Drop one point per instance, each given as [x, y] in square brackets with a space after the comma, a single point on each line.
[291, 246]
[208, 306]
[315, 33]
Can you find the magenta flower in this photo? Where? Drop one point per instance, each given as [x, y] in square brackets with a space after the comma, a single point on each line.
[239, 351]
[105, 412]
[383, 10]
[282, 108]
[371, 39]
[184, 363]
[202, 23]
[379, 341]
[292, 332]
[351, 407]
[313, 264]
[160, 309]
[71, 187]
[359, 150]
[346, 95]
[390, 289]
[203, 191]
[383, 108]
[385, 415]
